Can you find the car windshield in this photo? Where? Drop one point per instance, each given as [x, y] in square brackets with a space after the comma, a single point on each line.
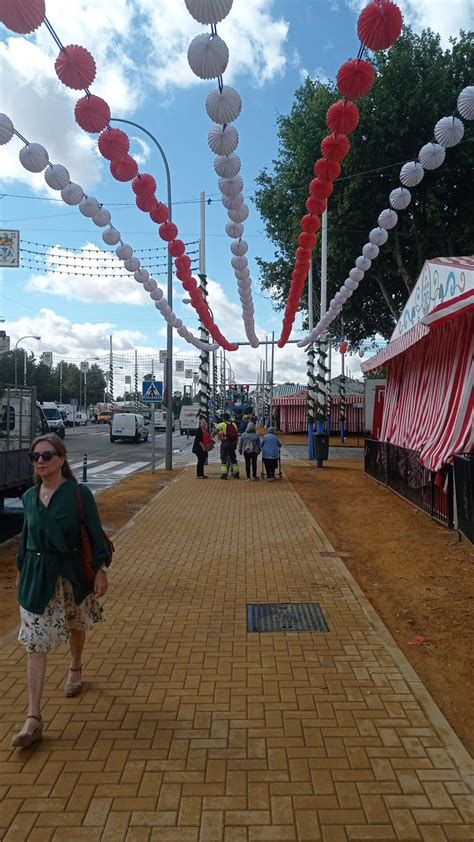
[52, 414]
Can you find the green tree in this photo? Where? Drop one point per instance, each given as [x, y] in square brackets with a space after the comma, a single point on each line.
[95, 384]
[417, 84]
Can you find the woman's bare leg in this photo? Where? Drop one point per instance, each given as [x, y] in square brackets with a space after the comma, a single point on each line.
[76, 644]
[35, 672]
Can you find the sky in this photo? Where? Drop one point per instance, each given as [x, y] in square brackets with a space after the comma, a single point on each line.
[140, 48]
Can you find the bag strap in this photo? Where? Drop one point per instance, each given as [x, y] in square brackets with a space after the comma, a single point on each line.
[80, 503]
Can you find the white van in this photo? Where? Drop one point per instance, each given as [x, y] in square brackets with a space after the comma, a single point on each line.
[160, 420]
[54, 418]
[128, 426]
[189, 419]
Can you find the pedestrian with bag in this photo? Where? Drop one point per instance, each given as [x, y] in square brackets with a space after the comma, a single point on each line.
[202, 445]
[271, 453]
[228, 436]
[62, 571]
[250, 446]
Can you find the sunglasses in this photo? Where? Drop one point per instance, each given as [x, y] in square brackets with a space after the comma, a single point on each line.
[46, 456]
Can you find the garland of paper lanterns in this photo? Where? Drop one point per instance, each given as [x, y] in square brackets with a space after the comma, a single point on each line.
[208, 56]
[35, 158]
[448, 132]
[76, 69]
[379, 25]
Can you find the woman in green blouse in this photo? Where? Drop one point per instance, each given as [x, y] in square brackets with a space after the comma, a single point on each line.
[57, 601]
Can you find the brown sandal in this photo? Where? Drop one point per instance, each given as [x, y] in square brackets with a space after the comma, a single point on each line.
[25, 740]
[73, 688]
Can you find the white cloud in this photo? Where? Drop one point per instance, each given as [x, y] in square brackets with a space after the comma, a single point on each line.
[442, 17]
[317, 75]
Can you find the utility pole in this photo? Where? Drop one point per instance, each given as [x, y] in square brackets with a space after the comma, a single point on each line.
[204, 356]
[111, 371]
[322, 369]
[311, 380]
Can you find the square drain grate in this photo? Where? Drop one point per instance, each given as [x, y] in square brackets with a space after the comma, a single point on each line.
[286, 617]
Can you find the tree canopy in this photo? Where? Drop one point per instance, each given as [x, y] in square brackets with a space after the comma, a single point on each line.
[46, 379]
[417, 84]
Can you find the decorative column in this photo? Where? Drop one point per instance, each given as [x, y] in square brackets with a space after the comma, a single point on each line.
[311, 387]
[111, 373]
[320, 406]
[137, 396]
[204, 390]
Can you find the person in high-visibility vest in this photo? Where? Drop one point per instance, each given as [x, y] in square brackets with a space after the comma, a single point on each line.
[228, 436]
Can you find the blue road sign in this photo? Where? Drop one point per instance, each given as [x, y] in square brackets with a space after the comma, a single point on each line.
[152, 391]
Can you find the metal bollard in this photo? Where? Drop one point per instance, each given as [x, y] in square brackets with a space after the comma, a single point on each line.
[84, 468]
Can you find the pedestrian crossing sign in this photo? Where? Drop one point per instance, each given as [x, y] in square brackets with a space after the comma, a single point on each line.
[152, 391]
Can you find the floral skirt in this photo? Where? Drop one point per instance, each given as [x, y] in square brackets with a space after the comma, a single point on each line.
[45, 632]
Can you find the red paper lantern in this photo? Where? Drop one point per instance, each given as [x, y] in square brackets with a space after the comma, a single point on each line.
[92, 113]
[379, 24]
[307, 240]
[160, 213]
[168, 231]
[187, 285]
[355, 78]
[22, 16]
[146, 202]
[183, 262]
[321, 189]
[343, 117]
[327, 170]
[310, 223]
[114, 144]
[315, 205]
[75, 67]
[125, 169]
[335, 147]
[143, 183]
[176, 248]
[303, 253]
[344, 347]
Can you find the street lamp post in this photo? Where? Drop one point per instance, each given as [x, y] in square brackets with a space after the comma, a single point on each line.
[15, 355]
[169, 329]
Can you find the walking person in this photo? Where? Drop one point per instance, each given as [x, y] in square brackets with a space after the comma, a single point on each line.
[58, 595]
[202, 444]
[250, 446]
[270, 453]
[228, 436]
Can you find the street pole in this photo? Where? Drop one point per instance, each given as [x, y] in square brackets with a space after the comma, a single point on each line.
[111, 371]
[85, 391]
[169, 330]
[24, 366]
[271, 377]
[224, 380]
[153, 452]
[321, 376]
[311, 381]
[204, 356]
[137, 404]
[60, 382]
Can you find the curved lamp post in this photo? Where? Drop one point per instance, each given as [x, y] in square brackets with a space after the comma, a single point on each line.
[15, 355]
[169, 329]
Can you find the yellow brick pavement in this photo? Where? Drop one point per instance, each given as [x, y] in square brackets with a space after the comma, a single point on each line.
[192, 730]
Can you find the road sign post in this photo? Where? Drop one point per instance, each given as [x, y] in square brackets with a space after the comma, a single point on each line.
[152, 393]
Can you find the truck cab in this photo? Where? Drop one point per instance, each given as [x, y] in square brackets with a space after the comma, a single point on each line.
[21, 420]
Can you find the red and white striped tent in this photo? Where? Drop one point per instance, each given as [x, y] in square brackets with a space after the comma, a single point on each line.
[293, 408]
[430, 365]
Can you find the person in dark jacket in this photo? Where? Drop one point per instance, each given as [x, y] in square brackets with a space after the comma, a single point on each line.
[58, 602]
[250, 446]
[202, 444]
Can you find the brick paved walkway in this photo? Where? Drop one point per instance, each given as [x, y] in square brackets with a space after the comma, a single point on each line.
[192, 730]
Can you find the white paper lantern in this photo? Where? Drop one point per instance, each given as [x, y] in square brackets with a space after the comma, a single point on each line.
[89, 207]
[141, 275]
[411, 173]
[111, 236]
[208, 11]
[371, 251]
[378, 236]
[56, 176]
[339, 298]
[466, 102]
[239, 262]
[234, 230]
[400, 198]
[72, 194]
[252, 338]
[157, 294]
[224, 106]
[6, 129]
[231, 186]
[243, 275]
[102, 218]
[227, 166]
[348, 292]
[388, 219]
[223, 140]
[208, 56]
[349, 283]
[363, 263]
[431, 156]
[178, 323]
[124, 251]
[239, 215]
[356, 274]
[233, 202]
[449, 131]
[182, 331]
[132, 264]
[239, 248]
[34, 157]
[150, 285]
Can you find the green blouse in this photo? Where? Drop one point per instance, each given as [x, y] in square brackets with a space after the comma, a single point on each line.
[51, 545]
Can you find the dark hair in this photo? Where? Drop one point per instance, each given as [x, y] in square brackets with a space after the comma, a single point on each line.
[59, 448]
[226, 416]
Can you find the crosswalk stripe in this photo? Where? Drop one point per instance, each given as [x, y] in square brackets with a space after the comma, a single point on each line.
[129, 469]
[106, 466]
[79, 464]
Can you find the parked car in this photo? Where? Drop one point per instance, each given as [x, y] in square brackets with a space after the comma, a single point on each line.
[128, 426]
[104, 416]
[54, 419]
[21, 420]
[160, 420]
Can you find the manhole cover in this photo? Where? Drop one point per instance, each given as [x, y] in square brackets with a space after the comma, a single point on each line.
[286, 617]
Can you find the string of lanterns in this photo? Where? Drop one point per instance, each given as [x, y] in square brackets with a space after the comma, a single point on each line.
[76, 69]
[378, 27]
[35, 158]
[208, 56]
[448, 132]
